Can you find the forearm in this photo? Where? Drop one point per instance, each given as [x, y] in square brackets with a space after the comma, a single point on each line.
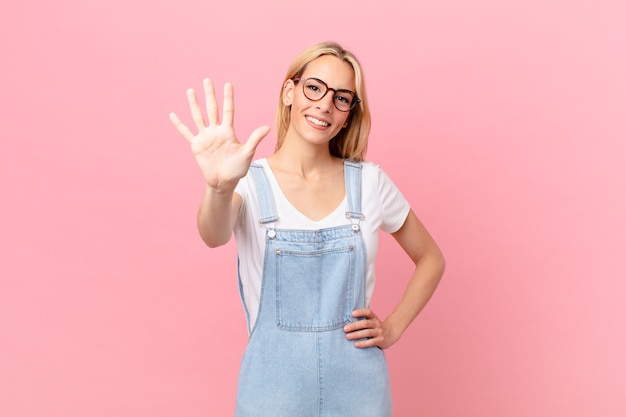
[429, 267]
[420, 288]
[215, 222]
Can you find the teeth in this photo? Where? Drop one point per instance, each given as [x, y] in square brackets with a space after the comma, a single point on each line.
[316, 121]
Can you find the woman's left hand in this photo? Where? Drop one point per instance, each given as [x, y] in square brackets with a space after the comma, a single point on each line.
[370, 329]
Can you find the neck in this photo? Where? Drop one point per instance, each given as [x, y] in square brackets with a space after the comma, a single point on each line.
[306, 160]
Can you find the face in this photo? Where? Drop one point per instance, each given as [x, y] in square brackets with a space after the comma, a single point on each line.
[317, 122]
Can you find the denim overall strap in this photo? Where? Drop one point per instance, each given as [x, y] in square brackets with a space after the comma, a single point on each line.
[264, 194]
[352, 173]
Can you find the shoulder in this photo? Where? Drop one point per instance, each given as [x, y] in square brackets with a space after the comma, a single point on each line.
[375, 175]
[368, 169]
[380, 190]
[261, 162]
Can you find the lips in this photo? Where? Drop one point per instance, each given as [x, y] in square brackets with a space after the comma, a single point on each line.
[317, 122]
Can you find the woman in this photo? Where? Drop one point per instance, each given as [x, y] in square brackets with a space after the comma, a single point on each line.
[306, 221]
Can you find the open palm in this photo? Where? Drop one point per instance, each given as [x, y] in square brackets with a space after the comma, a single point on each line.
[222, 159]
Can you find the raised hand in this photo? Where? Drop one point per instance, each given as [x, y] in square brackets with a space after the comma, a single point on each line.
[222, 159]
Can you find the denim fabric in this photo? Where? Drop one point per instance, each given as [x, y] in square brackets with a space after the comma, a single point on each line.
[298, 362]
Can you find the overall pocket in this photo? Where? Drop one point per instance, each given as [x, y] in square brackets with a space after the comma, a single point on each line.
[314, 289]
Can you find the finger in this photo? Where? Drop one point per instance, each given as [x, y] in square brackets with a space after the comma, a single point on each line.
[363, 312]
[360, 325]
[255, 138]
[180, 126]
[196, 113]
[211, 102]
[229, 105]
[368, 337]
[366, 343]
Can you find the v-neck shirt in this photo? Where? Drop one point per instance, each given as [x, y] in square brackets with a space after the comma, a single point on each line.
[383, 205]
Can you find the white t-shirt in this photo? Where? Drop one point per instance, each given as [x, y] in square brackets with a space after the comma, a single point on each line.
[382, 204]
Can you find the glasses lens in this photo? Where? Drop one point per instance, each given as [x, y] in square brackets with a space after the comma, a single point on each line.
[314, 89]
[344, 100]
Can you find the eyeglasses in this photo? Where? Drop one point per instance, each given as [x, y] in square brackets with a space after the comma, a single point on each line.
[315, 90]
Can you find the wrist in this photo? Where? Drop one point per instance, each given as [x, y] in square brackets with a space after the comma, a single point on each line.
[221, 188]
[395, 327]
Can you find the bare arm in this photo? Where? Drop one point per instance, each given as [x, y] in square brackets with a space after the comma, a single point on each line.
[217, 215]
[429, 267]
[222, 159]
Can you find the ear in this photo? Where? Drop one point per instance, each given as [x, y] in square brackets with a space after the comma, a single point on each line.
[288, 90]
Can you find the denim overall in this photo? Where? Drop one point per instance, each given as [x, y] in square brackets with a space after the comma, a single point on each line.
[298, 362]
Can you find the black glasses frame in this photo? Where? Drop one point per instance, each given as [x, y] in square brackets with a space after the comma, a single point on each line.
[355, 101]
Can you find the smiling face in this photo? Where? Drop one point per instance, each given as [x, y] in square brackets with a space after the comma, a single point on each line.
[317, 122]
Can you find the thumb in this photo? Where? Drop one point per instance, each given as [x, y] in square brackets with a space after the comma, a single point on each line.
[255, 138]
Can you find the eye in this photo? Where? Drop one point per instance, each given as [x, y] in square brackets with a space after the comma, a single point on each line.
[343, 98]
[313, 87]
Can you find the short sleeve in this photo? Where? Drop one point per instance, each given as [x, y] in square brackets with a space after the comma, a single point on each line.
[395, 207]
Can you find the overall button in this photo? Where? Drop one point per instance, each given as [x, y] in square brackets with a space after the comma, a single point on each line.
[355, 227]
[271, 233]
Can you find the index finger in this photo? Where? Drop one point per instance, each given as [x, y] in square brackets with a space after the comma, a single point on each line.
[181, 127]
[363, 312]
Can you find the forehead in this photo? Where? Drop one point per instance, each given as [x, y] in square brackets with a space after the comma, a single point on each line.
[332, 70]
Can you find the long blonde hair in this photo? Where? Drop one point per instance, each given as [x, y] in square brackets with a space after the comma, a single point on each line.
[351, 141]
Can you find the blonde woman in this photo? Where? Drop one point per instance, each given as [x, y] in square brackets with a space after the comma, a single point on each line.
[306, 223]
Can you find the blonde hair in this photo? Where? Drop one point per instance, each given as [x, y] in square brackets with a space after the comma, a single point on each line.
[351, 141]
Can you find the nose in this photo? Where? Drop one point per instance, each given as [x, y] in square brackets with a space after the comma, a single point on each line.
[326, 103]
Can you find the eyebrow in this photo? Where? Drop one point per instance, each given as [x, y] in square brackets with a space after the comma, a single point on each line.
[336, 89]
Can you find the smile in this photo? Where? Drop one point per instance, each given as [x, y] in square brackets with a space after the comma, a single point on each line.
[317, 122]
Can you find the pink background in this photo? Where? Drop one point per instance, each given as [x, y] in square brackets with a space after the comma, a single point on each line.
[504, 123]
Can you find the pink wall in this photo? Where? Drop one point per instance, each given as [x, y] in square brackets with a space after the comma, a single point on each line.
[504, 122]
